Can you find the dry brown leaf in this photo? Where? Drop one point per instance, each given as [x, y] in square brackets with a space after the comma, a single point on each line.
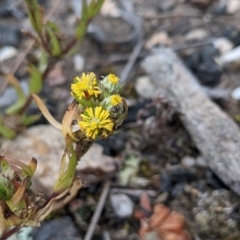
[174, 223]
[161, 212]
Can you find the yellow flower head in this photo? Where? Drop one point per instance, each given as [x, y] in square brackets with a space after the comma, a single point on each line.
[96, 122]
[113, 78]
[115, 100]
[85, 86]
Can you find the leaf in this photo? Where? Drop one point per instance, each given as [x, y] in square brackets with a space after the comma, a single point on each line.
[7, 132]
[68, 118]
[43, 61]
[82, 26]
[35, 15]
[52, 30]
[22, 98]
[95, 7]
[28, 120]
[46, 113]
[130, 169]
[35, 81]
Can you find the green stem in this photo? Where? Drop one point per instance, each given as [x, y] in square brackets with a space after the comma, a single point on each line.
[65, 181]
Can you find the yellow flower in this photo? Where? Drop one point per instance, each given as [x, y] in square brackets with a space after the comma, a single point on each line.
[115, 100]
[85, 86]
[113, 78]
[96, 122]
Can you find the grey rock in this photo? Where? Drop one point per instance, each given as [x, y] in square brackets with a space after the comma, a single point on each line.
[122, 205]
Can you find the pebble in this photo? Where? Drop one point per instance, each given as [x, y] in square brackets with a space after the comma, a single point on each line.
[122, 205]
[203, 64]
[145, 87]
[230, 59]
[227, 7]
[232, 6]
[223, 45]
[7, 52]
[201, 162]
[78, 62]
[110, 9]
[235, 94]
[166, 5]
[196, 34]
[58, 228]
[159, 38]
[188, 161]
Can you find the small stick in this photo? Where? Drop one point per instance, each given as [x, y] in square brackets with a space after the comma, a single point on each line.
[106, 235]
[127, 68]
[134, 192]
[98, 211]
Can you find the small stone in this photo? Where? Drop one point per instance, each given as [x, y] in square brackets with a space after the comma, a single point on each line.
[227, 7]
[203, 64]
[160, 38]
[144, 87]
[188, 161]
[7, 52]
[122, 205]
[201, 162]
[236, 93]
[110, 9]
[233, 6]
[223, 45]
[196, 34]
[166, 5]
[57, 228]
[78, 62]
[230, 59]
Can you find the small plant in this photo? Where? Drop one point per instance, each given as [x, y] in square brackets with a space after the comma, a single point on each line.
[53, 46]
[95, 113]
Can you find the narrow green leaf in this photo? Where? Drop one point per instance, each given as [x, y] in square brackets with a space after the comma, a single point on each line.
[52, 31]
[35, 81]
[28, 120]
[16, 106]
[82, 26]
[43, 61]
[22, 98]
[35, 14]
[7, 132]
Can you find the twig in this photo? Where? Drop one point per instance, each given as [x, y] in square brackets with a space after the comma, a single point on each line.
[106, 235]
[127, 68]
[98, 211]
[134, 192]
[164, 16]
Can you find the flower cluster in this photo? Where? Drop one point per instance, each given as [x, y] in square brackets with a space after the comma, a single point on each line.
[102, 108]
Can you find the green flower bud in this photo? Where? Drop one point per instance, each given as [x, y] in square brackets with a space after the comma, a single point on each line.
[111, 84]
